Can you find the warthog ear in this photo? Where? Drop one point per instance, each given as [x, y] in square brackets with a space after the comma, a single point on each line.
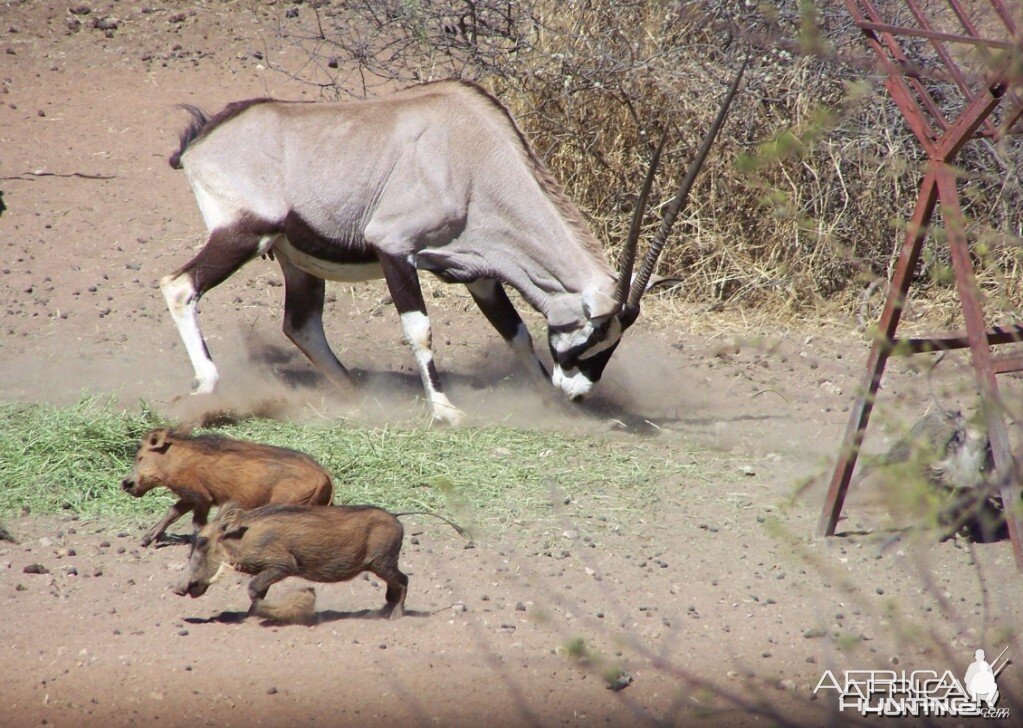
[230, 520]
[158, 440]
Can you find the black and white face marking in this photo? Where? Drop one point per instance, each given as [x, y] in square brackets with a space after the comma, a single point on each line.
[581, 352]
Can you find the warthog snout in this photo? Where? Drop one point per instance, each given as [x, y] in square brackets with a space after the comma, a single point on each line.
[128, 486]
[193, 589]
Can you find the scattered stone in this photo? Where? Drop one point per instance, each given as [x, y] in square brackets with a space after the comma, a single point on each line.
[182, 632]
[520, 607]
[619, 679]
[35, 569]
[271, 691]
[814, 633]
[748, 470]
[106, 23]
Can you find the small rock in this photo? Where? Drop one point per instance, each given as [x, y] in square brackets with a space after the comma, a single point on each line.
[35, 569]
[271, 691]
[748, 470]
[106, 23]
[619, 680]
[520, 607]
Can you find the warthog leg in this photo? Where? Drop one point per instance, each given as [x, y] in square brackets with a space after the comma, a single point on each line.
[397, 587]
[261, 583]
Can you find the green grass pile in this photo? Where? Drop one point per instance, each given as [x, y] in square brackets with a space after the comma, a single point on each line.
[74, 457]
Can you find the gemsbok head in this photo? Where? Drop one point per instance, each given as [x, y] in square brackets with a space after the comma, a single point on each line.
[438, 178]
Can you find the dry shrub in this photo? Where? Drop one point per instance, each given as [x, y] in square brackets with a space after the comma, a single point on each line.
[806, 197]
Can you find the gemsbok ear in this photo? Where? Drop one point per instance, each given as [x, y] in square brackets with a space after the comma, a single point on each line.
[599, 305]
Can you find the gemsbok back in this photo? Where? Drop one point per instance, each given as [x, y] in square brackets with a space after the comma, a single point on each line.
[437, 178]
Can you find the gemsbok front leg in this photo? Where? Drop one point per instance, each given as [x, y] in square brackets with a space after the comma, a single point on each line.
[228, 249]
[493, 301]
[403, 284]
[303, 322]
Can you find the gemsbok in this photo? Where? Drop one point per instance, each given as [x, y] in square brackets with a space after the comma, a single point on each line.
[438, 178]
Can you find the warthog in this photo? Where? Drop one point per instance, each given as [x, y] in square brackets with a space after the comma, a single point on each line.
[954, 455]
[319, 544]
[208, 470]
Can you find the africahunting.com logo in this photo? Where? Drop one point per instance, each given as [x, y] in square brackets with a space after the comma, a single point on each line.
[920, 692]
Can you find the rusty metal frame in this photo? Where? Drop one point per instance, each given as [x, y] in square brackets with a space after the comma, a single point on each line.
[985, 97]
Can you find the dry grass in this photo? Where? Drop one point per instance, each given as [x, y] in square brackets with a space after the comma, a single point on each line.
[804, 202]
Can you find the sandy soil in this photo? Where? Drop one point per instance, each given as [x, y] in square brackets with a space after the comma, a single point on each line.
[715, 603]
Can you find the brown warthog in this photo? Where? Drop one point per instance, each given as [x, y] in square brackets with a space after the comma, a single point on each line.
[208, 470]
[319, 544]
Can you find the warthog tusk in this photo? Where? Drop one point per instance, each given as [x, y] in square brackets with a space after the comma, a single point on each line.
[224, 570]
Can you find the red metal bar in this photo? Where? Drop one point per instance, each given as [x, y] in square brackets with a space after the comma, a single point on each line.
[900, 87]
[939, 182]
[966, 124]
[966, 283]
[1003, 13]
[934, 35]
[951, 342]
[916, 231]
[953, 68]
[1008, 363]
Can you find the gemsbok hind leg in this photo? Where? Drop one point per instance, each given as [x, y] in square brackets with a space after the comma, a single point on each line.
[303, 322]
[490, 296]
[403, 285]
[227, 249]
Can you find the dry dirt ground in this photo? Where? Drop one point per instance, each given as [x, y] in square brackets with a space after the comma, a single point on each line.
[718, 601]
